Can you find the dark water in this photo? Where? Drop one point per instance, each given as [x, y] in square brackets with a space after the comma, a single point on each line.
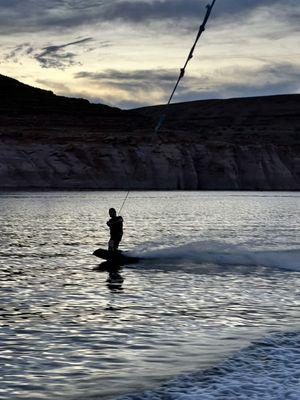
[220, 271]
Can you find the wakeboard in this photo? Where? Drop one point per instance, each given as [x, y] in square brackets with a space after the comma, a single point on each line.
[118, 257]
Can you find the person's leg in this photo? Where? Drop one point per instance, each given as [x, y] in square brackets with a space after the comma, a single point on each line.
[111, 245]
[117, 242]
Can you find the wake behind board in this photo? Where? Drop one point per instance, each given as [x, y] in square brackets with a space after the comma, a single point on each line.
[118, 257]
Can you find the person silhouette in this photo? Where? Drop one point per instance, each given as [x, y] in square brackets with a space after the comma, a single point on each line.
[115, 224]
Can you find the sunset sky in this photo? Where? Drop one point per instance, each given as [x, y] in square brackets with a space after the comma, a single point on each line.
[128, 53]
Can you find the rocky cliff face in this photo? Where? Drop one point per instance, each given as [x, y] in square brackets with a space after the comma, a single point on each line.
[55, 142]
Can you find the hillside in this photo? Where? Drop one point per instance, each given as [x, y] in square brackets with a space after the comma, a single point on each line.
[49, 141]
[270, 119]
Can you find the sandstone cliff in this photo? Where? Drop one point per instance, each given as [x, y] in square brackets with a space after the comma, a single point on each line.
[49, 141]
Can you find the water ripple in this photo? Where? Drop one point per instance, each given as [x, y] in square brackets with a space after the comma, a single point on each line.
[70, 330]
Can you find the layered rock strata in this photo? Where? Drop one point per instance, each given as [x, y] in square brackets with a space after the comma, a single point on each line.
[52, 142]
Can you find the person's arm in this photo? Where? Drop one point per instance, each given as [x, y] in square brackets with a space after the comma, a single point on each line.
[118, 220]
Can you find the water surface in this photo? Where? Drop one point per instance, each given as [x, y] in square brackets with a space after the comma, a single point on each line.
[220, 271]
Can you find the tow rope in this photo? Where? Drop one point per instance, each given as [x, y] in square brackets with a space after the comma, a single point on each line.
[162, 118]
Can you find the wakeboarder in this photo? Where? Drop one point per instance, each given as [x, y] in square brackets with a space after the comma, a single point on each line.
[115, 224]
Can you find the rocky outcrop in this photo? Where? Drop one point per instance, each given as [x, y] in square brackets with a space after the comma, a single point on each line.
[167, 166]
[238, 144]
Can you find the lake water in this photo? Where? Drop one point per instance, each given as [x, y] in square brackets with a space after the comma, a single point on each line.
[211, 312]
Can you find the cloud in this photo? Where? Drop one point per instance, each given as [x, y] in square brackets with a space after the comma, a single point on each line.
[16, 52]
[139, 88]
[40, 15]
[237, 90]
[140, 11]
[58, 87]
[63, 89]
[32, 15]
[131, 79]
[54, 56]
[144, 87]
[268, 79]
[130, 87]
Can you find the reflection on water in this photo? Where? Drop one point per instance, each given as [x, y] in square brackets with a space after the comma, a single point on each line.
[73, 329]
[115, 279]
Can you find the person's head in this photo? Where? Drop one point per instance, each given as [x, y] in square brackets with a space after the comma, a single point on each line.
[112, 212]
